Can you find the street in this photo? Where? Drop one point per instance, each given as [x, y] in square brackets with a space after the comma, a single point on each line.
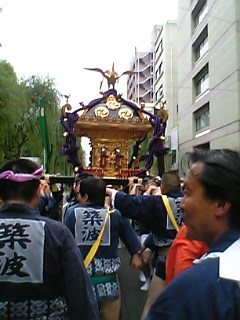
[133, 299]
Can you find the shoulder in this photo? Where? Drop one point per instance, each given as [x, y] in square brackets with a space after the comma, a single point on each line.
[69, 213]
[115, 213]
[175, 200]
[122, 196]
[52, 223]
[206, 296]
[192, 279]
[72, 208]
[54, 228]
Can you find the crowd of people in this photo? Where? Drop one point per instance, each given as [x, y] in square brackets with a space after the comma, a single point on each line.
[59, 259]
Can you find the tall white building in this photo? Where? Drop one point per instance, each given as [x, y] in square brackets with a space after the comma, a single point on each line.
[165, 83]
[157, 81]
[209, 74]
[140, 85]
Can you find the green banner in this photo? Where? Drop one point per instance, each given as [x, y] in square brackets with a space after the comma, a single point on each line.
[44, 135]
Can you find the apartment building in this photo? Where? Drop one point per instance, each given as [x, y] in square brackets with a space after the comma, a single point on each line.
[165, 83]
[157, 82]
[209, 74]
[140, 85]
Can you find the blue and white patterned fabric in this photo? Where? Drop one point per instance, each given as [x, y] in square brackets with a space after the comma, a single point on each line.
[85, 222]
[41, 269]
[34, 309]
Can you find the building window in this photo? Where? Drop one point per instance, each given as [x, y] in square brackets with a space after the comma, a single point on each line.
[201, 81]
[202, 84]
[159, 71]
[201, 117]
[201, 44]
[159, 93]
[159, 48]
[202, 49]
[200, 12]
[160, 68]
[205, 146]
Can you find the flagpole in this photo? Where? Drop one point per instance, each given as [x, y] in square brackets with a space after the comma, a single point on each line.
[44, 135]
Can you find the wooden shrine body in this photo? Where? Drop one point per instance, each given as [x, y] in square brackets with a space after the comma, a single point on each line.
[112, 124]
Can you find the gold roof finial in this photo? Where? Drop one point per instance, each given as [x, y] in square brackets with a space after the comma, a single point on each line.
[111, 75]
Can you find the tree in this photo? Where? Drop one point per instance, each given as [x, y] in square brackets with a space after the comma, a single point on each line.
[38, 89]
[19, 117]
[12, 103]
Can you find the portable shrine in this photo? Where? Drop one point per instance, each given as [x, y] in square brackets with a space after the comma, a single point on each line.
[113, 125]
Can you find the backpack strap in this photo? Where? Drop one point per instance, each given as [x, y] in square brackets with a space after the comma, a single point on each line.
[169, 212]
[96, 244]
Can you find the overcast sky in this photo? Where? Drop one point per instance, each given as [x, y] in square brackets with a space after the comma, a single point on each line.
[59, 38]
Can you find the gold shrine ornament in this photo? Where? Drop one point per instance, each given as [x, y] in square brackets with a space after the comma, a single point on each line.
[102, 112]
[112, 103]
[125, 113]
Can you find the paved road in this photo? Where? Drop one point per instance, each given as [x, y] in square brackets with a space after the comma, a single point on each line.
[133, 299]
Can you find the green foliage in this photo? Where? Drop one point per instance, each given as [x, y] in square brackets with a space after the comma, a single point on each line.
[12, 103]
[19, 118]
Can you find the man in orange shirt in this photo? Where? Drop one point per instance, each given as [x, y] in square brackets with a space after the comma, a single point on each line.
[182, 254]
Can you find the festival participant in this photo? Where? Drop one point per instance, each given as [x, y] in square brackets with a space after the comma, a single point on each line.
[46, 202]
[182, 254]
[151, 211]
[136, 187]
[42, 272]
[147, 254]
[73, 197]
[211, 211]
[86, 221]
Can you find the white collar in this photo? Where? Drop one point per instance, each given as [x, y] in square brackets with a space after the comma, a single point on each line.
[229, 261]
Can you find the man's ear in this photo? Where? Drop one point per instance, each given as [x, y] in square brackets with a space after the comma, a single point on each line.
[38, 191]
[162, 188]
[35, 200]
[222, 208]
[85, 198]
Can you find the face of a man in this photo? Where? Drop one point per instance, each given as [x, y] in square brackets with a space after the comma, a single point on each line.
[198, 211]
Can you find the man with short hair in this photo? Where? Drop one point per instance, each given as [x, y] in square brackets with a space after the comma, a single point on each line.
[87, 221]
[73, 197]
[211, 212]
[42, 275]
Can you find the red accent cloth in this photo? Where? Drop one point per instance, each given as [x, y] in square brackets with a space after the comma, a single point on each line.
[182, 253]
